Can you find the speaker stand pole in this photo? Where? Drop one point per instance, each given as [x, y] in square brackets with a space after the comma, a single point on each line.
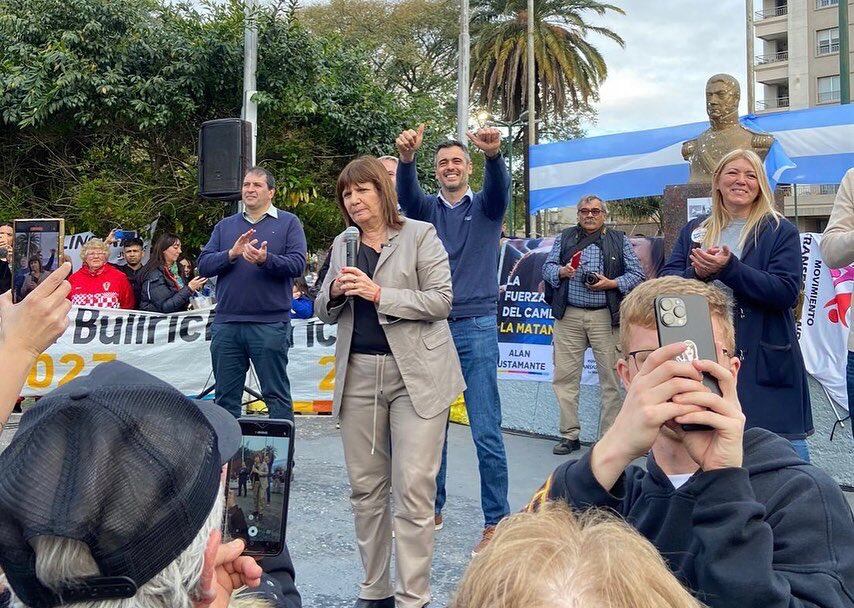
[250, 65]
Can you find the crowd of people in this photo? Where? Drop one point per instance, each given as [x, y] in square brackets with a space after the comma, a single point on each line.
[733, 515]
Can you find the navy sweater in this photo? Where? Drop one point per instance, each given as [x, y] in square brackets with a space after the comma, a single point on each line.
[245, 291]
[470, 233]
[776, 532]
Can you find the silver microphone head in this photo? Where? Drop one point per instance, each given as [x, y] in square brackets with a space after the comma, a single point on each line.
[351, 234]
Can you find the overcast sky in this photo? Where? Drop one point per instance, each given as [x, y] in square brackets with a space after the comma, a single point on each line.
[672, 47]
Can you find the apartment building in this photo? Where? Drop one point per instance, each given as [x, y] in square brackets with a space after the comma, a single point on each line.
[797, 66]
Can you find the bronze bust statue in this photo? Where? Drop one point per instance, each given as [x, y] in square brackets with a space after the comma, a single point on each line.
[725, 132]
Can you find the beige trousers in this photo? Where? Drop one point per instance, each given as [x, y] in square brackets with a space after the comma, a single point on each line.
[387, 443]
[579, 329]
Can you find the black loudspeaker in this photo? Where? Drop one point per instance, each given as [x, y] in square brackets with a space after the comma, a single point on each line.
[225, 150]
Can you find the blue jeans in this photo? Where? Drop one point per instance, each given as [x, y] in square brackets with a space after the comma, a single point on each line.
[476, 339]
[801, 448]
[233, 345]
[850, 376]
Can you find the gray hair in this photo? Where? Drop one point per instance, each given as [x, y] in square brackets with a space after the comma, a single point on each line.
[62, 561]
[592, 197]
[387, 157]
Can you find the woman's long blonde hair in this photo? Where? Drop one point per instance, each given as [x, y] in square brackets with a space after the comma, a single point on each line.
[556, 559]
[763, 205]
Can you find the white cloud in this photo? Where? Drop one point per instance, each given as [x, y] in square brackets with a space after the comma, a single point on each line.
[672, 47]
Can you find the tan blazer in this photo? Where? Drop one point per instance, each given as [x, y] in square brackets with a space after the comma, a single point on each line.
[415, 300]
[837, 243]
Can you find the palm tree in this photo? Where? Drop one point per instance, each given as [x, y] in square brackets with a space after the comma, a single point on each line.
[569, 69]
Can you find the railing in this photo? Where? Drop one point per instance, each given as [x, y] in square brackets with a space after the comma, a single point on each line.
[770, 104]
[828, 96]
[809, 189]
[772, 58]
[826, 3]
[826, 48]
[777, 11]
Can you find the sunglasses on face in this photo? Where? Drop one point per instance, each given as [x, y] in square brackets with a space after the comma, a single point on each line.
[593, 212]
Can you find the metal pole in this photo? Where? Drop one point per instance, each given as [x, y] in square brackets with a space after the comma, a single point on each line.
[463, 75]
[250, 66]
[510, 162]
[797, 223]
[532, 113]
[844, 59]
[751, 80]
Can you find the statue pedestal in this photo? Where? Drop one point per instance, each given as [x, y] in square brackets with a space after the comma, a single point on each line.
[674, 209]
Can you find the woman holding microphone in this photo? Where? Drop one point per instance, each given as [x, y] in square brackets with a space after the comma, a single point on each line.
[397, 373]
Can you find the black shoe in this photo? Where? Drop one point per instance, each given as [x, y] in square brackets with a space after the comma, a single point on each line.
[386, 603]
[566, 446]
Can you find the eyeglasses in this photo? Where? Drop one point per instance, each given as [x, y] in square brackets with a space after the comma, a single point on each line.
[640, 355]
[593, 212]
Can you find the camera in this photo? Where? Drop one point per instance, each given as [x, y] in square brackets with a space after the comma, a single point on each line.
[589, 278]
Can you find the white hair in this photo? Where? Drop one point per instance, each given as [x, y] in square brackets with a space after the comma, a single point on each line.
[62, 561]
[592, 197]
[387, 157]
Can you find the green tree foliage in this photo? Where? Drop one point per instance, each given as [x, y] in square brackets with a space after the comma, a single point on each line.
[101, 103]
[569, 69]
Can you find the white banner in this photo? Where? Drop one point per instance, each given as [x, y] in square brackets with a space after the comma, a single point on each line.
[176, 349]
[825, 320]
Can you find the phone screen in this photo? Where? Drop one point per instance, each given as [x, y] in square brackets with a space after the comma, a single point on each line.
[37, 251]
[259, 477]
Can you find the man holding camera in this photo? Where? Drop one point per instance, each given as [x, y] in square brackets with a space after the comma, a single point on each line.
[738, 516]
[591, 269]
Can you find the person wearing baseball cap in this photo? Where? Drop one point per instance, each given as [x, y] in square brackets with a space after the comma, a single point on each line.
[112, 495]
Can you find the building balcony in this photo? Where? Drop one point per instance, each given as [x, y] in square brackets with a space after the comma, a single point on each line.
[772, 23]
[772, 58]
[773, 104]
[772, 69]
[775, 11]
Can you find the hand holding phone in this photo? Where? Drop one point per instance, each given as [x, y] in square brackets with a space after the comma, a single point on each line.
[686, 318]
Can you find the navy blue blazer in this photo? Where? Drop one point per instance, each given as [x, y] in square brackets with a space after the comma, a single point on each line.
[766, 282]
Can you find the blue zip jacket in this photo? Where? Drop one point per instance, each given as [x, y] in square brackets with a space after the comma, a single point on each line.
[766, 281]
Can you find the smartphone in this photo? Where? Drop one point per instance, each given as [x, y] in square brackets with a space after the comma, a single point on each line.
[258, 488]
[121, 235]
[686, 318]
[38, 242]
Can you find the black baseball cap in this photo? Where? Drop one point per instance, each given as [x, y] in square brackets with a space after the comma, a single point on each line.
[120, 461]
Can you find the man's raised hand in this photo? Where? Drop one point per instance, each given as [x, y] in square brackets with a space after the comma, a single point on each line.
[488, 140]
[408, 143]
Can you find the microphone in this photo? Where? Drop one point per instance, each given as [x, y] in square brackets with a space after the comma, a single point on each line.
[3, 253]
[351, 242]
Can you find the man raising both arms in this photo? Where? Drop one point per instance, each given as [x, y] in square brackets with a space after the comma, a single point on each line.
[469, 225]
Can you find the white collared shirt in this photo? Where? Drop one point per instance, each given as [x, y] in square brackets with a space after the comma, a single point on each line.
[271, 211]
[468, 193]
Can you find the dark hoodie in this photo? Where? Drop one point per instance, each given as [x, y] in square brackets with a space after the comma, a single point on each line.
[774, 533]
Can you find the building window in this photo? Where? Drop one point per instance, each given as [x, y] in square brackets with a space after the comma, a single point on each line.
[825, 3]
[827, 41]
[828, 188]
[829, 89]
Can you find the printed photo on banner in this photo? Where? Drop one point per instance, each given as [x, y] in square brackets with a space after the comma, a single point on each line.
[525, 322]
[699, 207]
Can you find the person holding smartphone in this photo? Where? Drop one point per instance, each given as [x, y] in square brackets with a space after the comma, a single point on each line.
[748, 248]
[741, 519]
[160, 291]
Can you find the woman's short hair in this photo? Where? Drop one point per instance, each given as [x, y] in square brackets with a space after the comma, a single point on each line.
[368, 169]
[554, 558]
[91, 245]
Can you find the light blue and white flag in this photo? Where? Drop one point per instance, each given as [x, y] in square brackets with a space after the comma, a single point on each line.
[813, 146]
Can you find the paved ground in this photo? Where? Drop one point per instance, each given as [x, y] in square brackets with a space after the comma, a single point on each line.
[320, 526]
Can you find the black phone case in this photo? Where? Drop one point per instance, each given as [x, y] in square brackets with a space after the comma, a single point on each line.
[697, 329]
[287, 486]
